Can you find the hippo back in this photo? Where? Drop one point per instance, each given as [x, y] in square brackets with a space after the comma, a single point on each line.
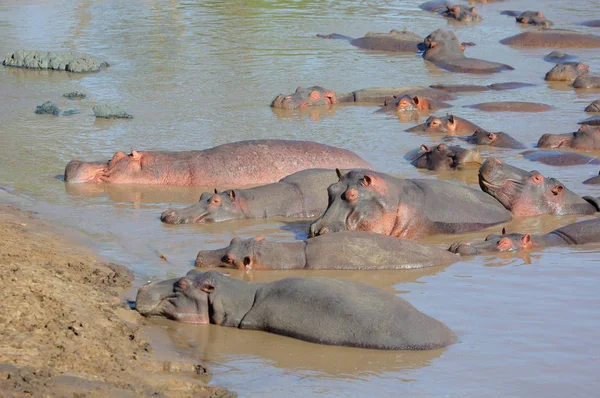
[311, 185]
[580, 233]
[338, 312]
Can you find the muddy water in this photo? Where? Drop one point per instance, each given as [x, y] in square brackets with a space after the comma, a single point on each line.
[198, 74]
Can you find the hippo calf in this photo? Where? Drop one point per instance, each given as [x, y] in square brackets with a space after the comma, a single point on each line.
[344, 250]
[528, 193]
[318, 310]
[578, 233]
[585, 138]
[445, 157]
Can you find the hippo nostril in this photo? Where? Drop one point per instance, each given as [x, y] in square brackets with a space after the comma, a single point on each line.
[169, 216]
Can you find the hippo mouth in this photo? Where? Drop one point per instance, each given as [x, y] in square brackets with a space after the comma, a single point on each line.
[168, 308]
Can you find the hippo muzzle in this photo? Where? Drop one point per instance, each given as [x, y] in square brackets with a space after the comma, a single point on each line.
[78, 171]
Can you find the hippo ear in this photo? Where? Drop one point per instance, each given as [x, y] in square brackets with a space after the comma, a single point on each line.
[557, 189]
[368, 180]
[248, 262]
[259, 239]
[416, 99]
[135, 154]
[339, 173]
[216, 192]
[442, 147]
[424, 148]
[492, 136]
[474, 10]
[207, 287]
[451, 119]
[232, 195]
[503, 231]
[433, 44]
[526, 240]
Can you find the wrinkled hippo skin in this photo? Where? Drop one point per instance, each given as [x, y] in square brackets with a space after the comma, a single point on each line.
[449, 124]
[510, 106]
[579, 233]
[589, 81]
[553, 38]
[593, 107]
[587, 138]
[594, 23]
[363, 200]
[559, 158]
[443, 49]
[344, 250]
[567, 72]
[69, 61]
[593, 180]
[461, 13]
[444, 157]
[528, 193]
[591, 121]
[239, 164]
[558, 57]
[535, 18]
[109, 111]
[466, 88]
[302, 194]
[395, 41]
[319, 310]
[414, 103]
[498, 139]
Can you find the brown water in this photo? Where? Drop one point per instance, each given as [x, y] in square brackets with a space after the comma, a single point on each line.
[198, 74]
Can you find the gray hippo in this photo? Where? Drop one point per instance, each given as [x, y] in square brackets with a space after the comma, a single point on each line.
[558, 57]
[528, 193]
[363, 200]
[344, 250]
[444, 157]
[578, 233]
[588, 81]
[556, 38]
[302, 194]
[318, 310]
[559, 158]
[498, 139]
[448, 124]
[411, 103]
[593, 107]
[567, 72]
[470, 88]
[535, 18]
[586, 138]
[593, 180]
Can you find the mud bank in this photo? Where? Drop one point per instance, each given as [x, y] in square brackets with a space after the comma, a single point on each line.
[64, 331]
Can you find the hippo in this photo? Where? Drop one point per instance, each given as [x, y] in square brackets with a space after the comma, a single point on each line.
[363, 200]
[344, 250]
[302, 194]
[586, 138]
[579, 233]
[435, 5]
[559, 158]
[414, 103]
[593, 23]
[510, 106]
[449, 124]
[466, 88]
[558, 57]
[535, 18]
[590, 121]
[444, 157]
[443, 49]
[593, 180]
[322, 97]
[553, 38]
[528, 193]
[395, 41]
[593, 107]
[498, 139]
[319, 310]
[589, 81]
[239, 163]
[461, 13]
[567, 72]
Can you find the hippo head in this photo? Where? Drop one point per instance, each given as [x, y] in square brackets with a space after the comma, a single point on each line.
[444, 157]
[181, 299]
[481, 137]
[121, 169]
[586, 137]
[215, 207]
[407, 103]
[240, 254]
[461, 13]
[304, 98]
[446, 124]
[494, 243]
[442, 43]
[536, 18]
[357, 202]
[528, 193]
[568, 71]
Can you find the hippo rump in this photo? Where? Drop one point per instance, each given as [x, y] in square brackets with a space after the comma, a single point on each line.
[586, 138]
[510, 106]
[591, 121]
[344, 250]
[535, 18]
[498, 139]
[593, 107]
[238, 163]
[593, 180]
[567, 72]
[558, 57]
[528, 193]
[443, 49]
[319, 310]
[448, 124]
[553, 38]
[559, 158]
[444, 157]
[317, 96]
[302, 194]
[395, 41]
[578, 233]
[469, 88]
[411, 103]
[363, 200]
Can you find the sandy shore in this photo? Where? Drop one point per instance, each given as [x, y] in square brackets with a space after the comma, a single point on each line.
[64, 331]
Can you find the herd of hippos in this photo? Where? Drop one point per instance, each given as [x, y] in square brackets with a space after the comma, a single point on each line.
[364, 219]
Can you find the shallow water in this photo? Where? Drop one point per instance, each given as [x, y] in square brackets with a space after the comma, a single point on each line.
[199, 74]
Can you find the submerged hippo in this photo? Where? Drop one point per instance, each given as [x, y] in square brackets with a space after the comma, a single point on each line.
[558, 57]
[510, 106]
[588, 81]
[449, 124]
[443, 49]
[528, 193]
[318, 310]
[461, 13]
[587, 138]
[411, 103]
[578, 233]
[593, 23]
[369, 201]
[593, 181]
[444, 157]
[567, 72]
[593, 107]
[344, 250]
[553, 38]
[395, 41]
[498, 139]
[467, 88]
[559, 158]
[238, 163]
[302, 194]
[535, 18]
[590, 121]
